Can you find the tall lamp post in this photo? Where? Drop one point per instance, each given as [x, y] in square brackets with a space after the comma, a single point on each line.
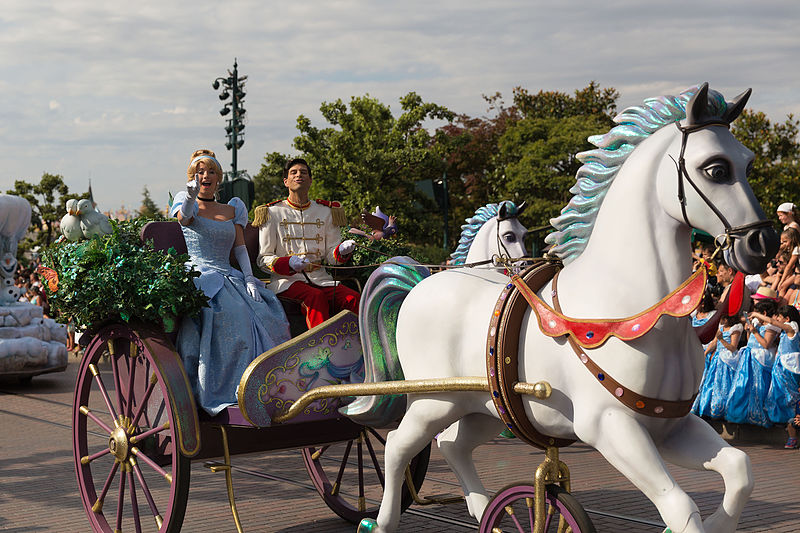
[236, 182]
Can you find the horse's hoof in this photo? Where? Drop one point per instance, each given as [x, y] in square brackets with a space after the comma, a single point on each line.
[367, 525]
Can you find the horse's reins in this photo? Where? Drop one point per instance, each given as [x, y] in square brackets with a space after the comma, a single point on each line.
[683, 175]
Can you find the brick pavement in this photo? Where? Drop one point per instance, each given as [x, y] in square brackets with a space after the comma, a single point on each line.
[38, 491]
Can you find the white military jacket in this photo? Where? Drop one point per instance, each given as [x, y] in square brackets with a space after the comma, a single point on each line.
[298, 230]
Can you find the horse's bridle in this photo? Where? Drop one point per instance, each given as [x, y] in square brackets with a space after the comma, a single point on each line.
[683, 175]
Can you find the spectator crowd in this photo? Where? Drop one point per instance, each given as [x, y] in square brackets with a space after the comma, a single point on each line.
[752, 365]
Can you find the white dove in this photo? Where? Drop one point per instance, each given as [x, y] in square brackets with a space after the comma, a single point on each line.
[92, 221]
[71, 223]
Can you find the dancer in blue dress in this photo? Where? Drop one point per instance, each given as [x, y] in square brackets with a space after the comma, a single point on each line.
[746, 401]
[243, 319]
[711, 400]
[783, 390]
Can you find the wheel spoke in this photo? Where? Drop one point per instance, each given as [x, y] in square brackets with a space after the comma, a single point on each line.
[121, 499]
[146, 491]
[87, 412]
[362, 503]
[98, 504]
[374, 457]
[141, 436]
[337, 484]
[529, 503]
[96, 373]
[377, 436]
[150, 387]
[510, 512]
[131, 379]
[134, 505]
[138, 453]
[86, 459]
[318, 453]
[115, 371]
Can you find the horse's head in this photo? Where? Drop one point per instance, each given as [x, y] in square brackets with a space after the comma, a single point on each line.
[510, 233]
[494, 231]
[703, 183]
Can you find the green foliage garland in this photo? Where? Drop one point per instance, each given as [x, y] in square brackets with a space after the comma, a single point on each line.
[116, 276]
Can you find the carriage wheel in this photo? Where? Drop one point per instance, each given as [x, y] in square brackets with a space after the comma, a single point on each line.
[511, 509]
[349, 477]
[131, 474]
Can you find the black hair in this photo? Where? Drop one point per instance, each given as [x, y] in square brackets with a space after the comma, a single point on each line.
[789, 311]
[295, 161]
[707, 303]
[731, 320]
[765, 307]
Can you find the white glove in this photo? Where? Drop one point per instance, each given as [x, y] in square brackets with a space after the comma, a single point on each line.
[297, 263]
[250, 281]
[347, 247]
[252, 287]
[192, 190]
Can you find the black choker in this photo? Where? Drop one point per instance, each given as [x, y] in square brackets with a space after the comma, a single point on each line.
[206, 199]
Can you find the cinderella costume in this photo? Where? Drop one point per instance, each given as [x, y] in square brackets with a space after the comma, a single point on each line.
[217, 346]
[722, 365]
[783, 394]
[748, 395]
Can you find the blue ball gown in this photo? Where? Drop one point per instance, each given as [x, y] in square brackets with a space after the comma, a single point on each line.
[717, 378]
[748, 395]
[217, 346]
[783, 396]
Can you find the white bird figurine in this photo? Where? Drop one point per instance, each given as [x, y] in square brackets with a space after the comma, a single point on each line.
[92, 221]
[71, 223]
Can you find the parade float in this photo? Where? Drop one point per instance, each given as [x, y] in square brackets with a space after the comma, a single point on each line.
[467, 352]
[30, 344]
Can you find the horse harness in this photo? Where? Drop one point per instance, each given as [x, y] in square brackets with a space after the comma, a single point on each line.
[503, 346]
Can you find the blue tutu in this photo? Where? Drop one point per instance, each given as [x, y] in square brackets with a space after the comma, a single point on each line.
[717, 379]
[783, 398]
[748, 394]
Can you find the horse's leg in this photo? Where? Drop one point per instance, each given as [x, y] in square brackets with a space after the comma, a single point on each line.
[694, 444]
[423, 419]
[627, 446]
[457, 443]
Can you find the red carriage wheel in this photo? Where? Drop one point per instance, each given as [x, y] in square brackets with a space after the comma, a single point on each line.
[512, 509]
[349, 477]
[131, 473]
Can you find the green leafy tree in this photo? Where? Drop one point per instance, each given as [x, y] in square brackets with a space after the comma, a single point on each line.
[149, 208]
[367, 157]
[776, 166]
[269, 180]
[535, 158]
[48, 200]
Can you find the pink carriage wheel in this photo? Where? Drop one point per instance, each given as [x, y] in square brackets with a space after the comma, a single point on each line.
[131, 474]
[349, 475]
[511, 510]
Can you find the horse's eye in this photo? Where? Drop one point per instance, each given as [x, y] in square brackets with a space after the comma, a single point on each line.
[717, 170]
[510, 237]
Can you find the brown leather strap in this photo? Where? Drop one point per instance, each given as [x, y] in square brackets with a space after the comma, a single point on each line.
[641, 404]
[502, 353]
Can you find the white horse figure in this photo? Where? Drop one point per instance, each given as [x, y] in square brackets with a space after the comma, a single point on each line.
[493, 231]
[670, 165]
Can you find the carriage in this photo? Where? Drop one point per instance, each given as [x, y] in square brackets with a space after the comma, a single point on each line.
[449, 374]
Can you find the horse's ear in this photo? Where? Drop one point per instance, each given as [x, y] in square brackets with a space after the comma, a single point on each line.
[736, 107]
[697, 108]
[502, 213]
[521, 207]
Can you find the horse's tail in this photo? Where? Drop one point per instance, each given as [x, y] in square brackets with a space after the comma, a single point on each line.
[381, 299]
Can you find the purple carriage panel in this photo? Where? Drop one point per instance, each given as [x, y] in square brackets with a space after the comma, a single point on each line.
[328, 354]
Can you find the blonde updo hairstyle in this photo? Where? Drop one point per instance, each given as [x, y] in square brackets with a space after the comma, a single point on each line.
[213, 163]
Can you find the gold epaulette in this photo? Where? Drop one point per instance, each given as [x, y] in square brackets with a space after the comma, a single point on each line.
[261, 213]
[337, 212]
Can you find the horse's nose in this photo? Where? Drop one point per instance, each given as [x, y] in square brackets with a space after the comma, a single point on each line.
[754, 250]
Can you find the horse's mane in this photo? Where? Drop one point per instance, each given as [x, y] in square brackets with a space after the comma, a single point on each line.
[474, 224]
[600, 166]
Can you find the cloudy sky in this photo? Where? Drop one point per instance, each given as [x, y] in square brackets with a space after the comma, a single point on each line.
[120, 93]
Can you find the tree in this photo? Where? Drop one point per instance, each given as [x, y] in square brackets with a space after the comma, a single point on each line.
[368, 157]
[535, 158]
[269, 180]
[777, 157]
[149, 208]
[48, 205]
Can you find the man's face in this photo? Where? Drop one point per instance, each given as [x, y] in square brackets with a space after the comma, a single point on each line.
[724, 274]
[298, 179]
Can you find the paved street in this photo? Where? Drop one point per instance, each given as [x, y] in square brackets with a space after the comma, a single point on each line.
[38, 490]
